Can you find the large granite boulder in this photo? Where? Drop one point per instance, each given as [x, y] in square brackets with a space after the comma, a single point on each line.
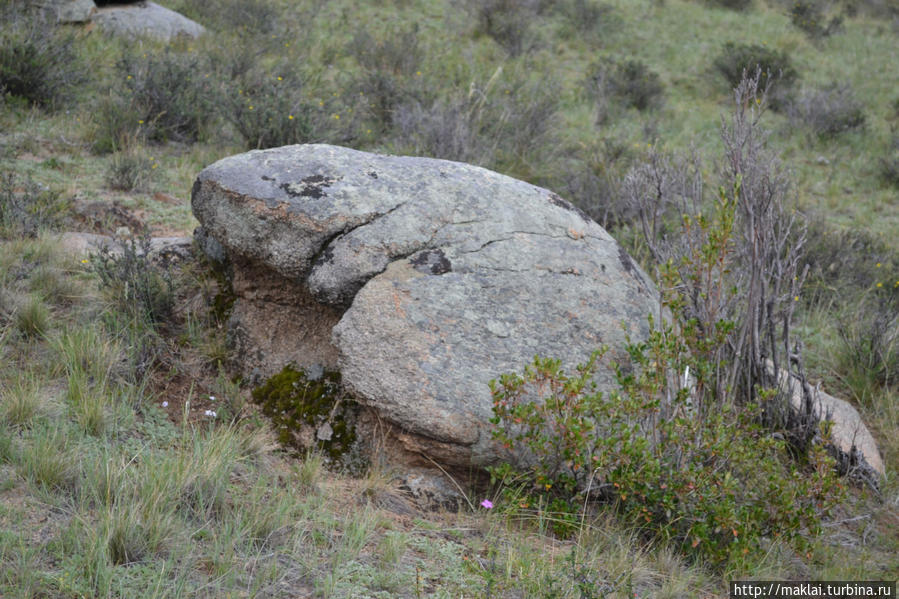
[146, 19]
[70, 11]
[420, 280]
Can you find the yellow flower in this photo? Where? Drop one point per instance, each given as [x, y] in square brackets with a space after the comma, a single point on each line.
[337, 117]
[877, 265]
[289, 117]
[796, 298]
[880, 284]
[85, 261]
[140, 122]
[251, 107]
[279, 78]
[128, 77]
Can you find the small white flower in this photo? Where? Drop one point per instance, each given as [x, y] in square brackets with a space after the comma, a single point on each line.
[165, 404]
[212, 398]
[210, 413]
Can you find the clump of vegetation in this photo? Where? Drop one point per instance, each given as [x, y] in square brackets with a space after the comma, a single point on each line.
[684, 445]
[27, 207]
[810, 16]
[593, 183]
[138, 286]
[269, 110]
[308, 412]
[131, 170]
[585, 15]
[508, 22]
[255, 16]
[166, 93]
[774, 66]
[503, 124]
[889, 165]
[738, 5]
[390, 72]
[629, 83]
[38, 61]
[829, 111]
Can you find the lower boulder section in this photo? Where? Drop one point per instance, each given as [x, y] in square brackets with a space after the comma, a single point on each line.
[418, 280]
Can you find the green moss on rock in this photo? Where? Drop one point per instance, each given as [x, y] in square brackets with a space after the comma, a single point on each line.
[308, 411]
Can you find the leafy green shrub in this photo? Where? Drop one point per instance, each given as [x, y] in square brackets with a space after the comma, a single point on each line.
[829, 111]
[130, 170]
[26, 207]
[169, 93]
[137, 286]
[38, 62]
[776, 70]
[809, 16]
[714, 484]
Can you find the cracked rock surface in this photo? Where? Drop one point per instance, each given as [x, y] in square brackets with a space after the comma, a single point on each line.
[419, 279]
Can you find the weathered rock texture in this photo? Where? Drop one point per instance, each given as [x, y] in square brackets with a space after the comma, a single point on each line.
[849, 437]
[419, 279]
[146, 19]
[70, 11]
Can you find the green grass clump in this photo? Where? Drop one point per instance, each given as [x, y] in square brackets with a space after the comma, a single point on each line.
[775, 66]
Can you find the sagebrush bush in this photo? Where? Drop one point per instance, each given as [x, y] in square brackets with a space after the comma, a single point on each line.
[592, 181]
[38, 61]
[889, 165]
[828, 111]
[868, 356]
[390, 72]
[810, 17]
[503, 125]
[168, 91]
[845, 264]
[27, 207]
[776, 70]
[508, 22]
[585, 15]
[256, 16]
[130, 170]
[627, 82]
[268, 109]
[138, 286]
[731, 4]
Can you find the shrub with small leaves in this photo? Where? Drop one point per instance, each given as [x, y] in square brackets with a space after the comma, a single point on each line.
[736, 60]
[827, 112]
[26, 206]
[38, 61]
[270, 108]
[166, 93]
[138, 286]
[389, 75]
[629, 83]
[508, 22]
[731, 4]
[889, 165]
[130, 170]
[810, 17]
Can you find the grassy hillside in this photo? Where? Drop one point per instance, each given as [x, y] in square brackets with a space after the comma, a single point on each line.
[114, 481]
